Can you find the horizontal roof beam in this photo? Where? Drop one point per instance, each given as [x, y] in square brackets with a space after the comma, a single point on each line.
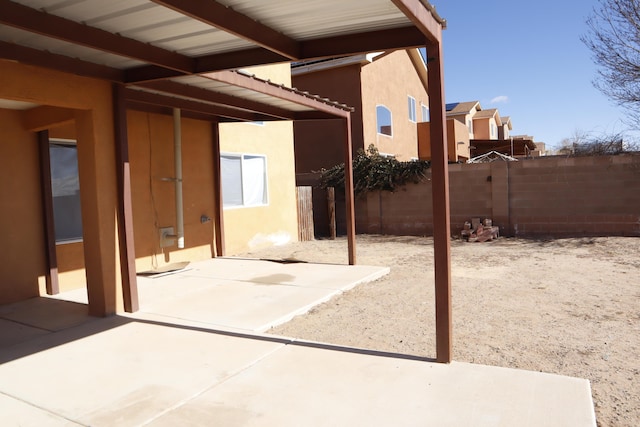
[32, 20]
[224, 99]
[354, 44]
[227, 19]
[278, 91]
[204, 64]
[139, 96]
[424, 17]
[351, 44]
[40, 58]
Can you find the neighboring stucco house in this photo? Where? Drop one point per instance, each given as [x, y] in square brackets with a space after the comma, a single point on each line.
[389, 94]
[464, 112]
[504, 131]
[486, 124]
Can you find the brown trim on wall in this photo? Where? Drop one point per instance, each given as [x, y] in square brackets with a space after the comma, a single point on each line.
[51, 276]
[441, 211]
[217, 190]
[125, 207]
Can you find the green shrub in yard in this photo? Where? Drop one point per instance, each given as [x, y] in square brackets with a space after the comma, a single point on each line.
[373, 172]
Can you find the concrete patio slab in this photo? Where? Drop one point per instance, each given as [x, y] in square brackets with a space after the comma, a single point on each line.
[125, 371]
[12, 333]
[300, 385]
[18, 413]
[244, 305]
[191, 356]
[46, 314]
[262, 295]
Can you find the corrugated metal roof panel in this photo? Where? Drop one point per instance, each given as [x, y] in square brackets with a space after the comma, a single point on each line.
[151, 23]
[28, 39]
[216, 86]
[309, 19]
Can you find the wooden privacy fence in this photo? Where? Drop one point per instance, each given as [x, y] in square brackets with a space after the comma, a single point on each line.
[304, 197]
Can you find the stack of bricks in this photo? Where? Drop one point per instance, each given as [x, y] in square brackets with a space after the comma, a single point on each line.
[477, 231]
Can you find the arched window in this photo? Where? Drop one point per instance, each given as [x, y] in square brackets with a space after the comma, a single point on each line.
[383, 120]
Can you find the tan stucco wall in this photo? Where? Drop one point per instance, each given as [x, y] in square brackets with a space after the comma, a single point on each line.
[248, 228]
[320, 144]
[92, 110]
[151, 151]
[89, 119]
[252, 227]
[456, 133]
[482, 128]
[389, 81]
[22, 240]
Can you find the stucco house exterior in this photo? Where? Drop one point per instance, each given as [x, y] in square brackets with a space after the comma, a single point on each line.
[389, 94]
[486, 124]
[504, 131]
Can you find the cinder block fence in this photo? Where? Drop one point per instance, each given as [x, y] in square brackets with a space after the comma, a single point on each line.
[546, 196]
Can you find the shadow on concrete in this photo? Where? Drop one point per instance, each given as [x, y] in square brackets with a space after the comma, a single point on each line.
[42, 323]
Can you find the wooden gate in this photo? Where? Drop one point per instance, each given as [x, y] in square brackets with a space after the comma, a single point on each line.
[305, 213]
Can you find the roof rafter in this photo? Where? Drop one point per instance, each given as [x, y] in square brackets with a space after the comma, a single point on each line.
[218, 98]
[57, 62]
[354, 44]
[227, 19]
[32, 20]
[351, 44]
[424, 17]
[138, 96]
[281, 92]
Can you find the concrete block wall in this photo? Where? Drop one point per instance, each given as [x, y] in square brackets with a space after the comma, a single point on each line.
[539, 197]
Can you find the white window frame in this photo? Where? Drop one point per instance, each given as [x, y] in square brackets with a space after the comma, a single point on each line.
[390, 121]
[243, 180]
[411, 104]
[426, 114]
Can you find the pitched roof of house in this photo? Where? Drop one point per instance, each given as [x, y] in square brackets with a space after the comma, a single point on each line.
[506, 120]
[456, 108]
[487, 114]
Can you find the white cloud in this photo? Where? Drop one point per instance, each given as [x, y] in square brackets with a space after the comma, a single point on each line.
[502, 99]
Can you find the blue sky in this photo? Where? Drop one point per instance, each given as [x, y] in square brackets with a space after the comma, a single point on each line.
[526, 59]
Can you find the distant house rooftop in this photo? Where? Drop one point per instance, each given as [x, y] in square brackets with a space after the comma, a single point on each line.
[456, 108]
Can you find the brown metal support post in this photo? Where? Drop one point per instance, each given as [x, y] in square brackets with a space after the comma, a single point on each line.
[125, 207]
[217, 190]
[348, 191]
[51, 277]
[441, 219]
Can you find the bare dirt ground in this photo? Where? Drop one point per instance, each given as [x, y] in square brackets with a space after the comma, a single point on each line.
[564, 306]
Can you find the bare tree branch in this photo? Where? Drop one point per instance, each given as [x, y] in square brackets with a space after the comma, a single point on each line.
[614, 41]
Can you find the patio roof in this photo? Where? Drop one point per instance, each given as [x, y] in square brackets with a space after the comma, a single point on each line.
[140, 42]
[179, 54]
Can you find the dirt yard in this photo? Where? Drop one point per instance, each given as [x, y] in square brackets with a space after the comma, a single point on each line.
[566, 306]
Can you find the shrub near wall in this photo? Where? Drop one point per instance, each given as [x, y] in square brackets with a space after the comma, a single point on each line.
[546, 196]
